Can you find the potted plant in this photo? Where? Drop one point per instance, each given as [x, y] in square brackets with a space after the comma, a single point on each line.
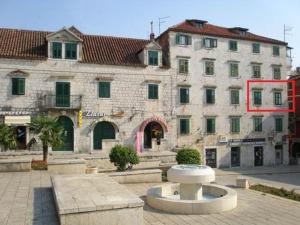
[123, 157]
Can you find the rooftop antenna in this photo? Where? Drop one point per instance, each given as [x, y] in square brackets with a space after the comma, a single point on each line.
[161, 20]
[286, 30]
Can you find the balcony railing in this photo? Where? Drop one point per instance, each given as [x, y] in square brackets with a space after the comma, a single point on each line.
[62, 102]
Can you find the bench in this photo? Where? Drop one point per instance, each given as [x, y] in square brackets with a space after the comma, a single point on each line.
[66, 166]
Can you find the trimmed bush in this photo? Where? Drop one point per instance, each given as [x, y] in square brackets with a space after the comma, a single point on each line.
[188, 156]
[123, 157]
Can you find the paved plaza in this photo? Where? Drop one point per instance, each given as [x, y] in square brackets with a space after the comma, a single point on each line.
[26, 199]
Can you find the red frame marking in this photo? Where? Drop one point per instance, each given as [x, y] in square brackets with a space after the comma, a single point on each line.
[271, 81]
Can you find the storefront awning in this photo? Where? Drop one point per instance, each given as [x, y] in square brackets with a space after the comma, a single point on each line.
[17, 120]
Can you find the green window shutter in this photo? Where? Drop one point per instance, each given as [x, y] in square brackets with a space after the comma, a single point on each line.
[18, 86]
[183, 66]
[152, 91]
[256, 48]
[257, 98]
[235, 97]
[210, 96]
[188, 40]
[277, 98]
[278, 124]
[209, 68]
[235, 125]
[234, 70]
[210, 125]
[184, 126]
[184, 95]
[71, 51]
[56, 50]
[104, 89]
[277, 73]
[276, 51]
[177, 39]
[233, 45]
[153, 58]
[258, 124]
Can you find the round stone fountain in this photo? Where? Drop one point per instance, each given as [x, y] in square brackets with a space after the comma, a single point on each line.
[191, 192]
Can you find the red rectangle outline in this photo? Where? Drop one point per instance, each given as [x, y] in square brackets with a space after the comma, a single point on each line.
[271, 110]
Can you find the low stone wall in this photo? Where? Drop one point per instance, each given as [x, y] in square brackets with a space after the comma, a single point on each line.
[15, 165]
[95, 199]
[67, 166]
[137, 176]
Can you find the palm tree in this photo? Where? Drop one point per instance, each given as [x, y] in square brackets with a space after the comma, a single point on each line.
[7, 138]
[49, 131]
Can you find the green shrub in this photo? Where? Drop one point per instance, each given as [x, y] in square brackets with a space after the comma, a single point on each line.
[188, 156]
[123, 157]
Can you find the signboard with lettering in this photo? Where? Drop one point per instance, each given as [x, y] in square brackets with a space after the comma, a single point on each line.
[247, 141]
[93, 115]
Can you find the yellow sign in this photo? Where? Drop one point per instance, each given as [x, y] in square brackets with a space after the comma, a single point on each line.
[80, 119]
[17, 120]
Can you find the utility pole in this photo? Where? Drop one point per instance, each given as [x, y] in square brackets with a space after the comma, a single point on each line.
[286, 30]
[161, 20]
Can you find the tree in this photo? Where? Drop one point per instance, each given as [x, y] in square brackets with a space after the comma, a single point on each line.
[7, 138]
[49, 131]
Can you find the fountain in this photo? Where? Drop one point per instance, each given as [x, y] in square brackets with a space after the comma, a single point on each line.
[191, 192]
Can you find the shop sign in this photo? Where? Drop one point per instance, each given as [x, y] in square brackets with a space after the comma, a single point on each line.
[92, 114]
[222, 140]
[17, 120]
[247, 141]
[17, 112]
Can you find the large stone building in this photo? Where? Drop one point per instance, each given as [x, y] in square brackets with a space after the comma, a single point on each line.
[185, 88]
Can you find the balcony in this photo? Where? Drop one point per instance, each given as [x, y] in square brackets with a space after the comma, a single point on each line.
[62, 102]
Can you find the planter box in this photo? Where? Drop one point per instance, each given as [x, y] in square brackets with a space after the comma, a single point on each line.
[69, 166]
[15, 165]
[95, 199]
[137, 176]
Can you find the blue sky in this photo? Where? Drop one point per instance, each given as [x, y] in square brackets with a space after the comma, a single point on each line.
[131, 18]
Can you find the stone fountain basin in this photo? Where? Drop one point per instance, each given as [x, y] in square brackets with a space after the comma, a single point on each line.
[191, 174]
[225, 199]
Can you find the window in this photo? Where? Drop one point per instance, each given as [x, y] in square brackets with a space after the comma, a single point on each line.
[18, 86]
[234, 69]
[184, 95]
[184, 126]
[71, 51]
[276, 73]
[210, 96]
[182, 39]
[235, 124]
[257, 121]
[234, 97]
[153, 58]
[256, 71]
[257, 98]
[255, 48]
[183, 66]
[277, 98]
[210, 125]
[209, 67]
[276, 51]
[56, 50]
[104, 89]
[152, 91]
[209, 43]
[233, 46]
[278, 124]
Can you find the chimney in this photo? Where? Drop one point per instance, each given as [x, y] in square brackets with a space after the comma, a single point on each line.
[152, 35]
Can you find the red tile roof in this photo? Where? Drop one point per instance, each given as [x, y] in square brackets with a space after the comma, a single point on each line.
[213, 30]
[25, 44]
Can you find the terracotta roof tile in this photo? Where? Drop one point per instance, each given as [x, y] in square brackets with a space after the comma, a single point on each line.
[213, 30]
[25, 44]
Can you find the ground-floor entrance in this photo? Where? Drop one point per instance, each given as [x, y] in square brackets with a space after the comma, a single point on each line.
[20, 136]
[153, 130]
[211, 157]
[67, 135]
[258, 156]
[235, 156]
[278, 155]
[103, 130]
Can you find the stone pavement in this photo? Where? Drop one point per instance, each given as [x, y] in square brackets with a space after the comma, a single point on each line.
[26, 199]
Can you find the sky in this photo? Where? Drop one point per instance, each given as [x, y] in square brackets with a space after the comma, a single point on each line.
[131, 18]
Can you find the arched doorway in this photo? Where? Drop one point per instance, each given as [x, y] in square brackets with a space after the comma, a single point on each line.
[296, 150]
[103, 130]
[152, 130]
[68, 134]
